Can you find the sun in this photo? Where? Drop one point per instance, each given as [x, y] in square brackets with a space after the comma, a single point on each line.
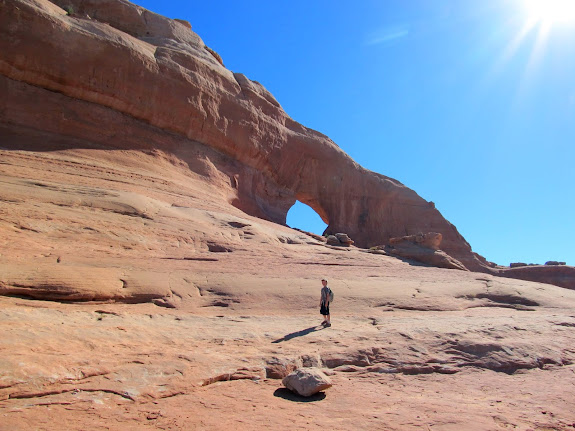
[551, 12]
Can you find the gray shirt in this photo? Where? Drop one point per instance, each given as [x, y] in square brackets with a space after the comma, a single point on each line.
[325, 295]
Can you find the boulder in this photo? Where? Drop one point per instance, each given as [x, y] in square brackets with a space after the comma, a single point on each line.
[340, 240]
[307, 381]
[344, 238]
[332, 240]
[278, 368]
[423, 248]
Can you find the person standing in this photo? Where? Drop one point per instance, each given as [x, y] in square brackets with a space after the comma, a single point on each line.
[324, 303]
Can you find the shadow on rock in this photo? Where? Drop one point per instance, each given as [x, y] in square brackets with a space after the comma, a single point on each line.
[298, 334]
[286, 394]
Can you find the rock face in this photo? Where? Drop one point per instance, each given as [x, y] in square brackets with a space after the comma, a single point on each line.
[423, 248]
[307, 381]
[110, 75]
[558, 275]
[128, 62]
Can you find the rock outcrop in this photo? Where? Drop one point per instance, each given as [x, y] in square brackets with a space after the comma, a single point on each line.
[423, 248]
[430, 240]
[558, 275]
[117, 59]
[110, 75]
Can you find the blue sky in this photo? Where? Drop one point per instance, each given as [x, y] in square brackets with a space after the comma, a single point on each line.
[469, 103]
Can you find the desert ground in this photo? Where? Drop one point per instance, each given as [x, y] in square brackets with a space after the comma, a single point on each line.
[146, 302]
[148, 279]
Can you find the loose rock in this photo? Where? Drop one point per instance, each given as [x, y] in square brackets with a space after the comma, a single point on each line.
[307, 381]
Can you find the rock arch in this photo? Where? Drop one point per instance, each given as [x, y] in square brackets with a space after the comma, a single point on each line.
[183, 92]
[314, 222]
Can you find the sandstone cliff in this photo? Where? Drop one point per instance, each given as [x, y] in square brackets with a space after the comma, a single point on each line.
[109, 74]
[121, 60]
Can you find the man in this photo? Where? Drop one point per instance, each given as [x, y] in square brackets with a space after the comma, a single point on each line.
[324, 303]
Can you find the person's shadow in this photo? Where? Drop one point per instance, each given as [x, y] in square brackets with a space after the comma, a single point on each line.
[298, 334]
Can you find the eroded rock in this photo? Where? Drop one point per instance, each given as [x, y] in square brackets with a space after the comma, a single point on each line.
[277, 158]
[423, 248]
[307, 381]
[61, 282]
[260, 161]
[339, 240]
[430, 240]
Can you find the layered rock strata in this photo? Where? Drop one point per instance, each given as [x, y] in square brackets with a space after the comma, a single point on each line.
[111, 75]
[423, 248]
[116, 57]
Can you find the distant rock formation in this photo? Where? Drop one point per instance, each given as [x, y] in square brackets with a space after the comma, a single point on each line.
[548, 263]
[559, 275]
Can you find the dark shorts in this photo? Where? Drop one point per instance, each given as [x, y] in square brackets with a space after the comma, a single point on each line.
[324, 309]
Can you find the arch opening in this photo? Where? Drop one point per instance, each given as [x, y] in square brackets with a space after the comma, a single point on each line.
[303, 217]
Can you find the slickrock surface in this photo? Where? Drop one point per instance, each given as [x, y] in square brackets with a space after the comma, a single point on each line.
[236, 309]
[146, 284]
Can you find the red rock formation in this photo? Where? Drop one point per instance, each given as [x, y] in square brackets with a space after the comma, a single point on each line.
[423, 248]
[110, 197]
[430, 240]
[155, 85]
[117, 55]
[563, 276]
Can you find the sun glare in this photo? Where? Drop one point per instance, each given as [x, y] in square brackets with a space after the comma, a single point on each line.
[551, 11]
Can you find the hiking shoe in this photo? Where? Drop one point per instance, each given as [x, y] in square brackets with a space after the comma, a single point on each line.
[327, 325]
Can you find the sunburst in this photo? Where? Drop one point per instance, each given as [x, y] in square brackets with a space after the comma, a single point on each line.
[551, 12]
[551, 21]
